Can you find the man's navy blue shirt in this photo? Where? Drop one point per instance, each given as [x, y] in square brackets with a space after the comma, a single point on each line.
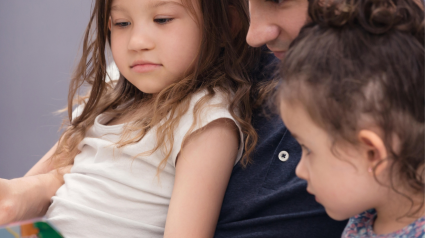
[266, 199]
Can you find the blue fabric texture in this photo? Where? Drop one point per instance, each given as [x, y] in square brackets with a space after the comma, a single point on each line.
[266, 199]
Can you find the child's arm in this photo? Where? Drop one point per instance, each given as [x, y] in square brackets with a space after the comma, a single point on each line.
[43, 166]
[28, 197]
[202, 172]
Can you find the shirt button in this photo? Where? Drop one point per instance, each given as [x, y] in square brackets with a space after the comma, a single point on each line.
[283, 156]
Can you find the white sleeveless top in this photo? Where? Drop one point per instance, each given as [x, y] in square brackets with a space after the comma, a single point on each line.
[110, 194]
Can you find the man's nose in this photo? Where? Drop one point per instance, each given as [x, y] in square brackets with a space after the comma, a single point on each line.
[261, 31]
[140, 39]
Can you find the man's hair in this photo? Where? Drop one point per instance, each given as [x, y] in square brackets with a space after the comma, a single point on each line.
[362, 59]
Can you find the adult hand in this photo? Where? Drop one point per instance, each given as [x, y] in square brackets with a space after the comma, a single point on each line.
[28, 197]
[14, 197]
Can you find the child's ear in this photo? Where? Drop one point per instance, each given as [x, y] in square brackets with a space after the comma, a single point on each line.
[375, 151]
[235, 21]
[110, 24]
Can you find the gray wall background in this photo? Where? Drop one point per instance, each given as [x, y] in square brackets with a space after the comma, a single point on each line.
[39, 47]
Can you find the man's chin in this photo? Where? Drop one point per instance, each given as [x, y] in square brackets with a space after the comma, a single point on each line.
[279, 54]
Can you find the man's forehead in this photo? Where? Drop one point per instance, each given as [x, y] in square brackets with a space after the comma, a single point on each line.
[256, 1]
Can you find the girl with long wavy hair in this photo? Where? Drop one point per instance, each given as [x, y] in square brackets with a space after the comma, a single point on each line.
[152, 152]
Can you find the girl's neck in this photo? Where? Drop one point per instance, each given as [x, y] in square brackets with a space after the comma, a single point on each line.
[397, 212]
[128, 116]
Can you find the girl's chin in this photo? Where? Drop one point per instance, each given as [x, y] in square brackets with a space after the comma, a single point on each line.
[336, 215]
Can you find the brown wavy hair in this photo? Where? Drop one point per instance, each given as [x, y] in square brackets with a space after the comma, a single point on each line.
[223, 62]
[364, 58]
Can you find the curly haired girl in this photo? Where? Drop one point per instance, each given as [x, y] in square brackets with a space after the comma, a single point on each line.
[352, 94]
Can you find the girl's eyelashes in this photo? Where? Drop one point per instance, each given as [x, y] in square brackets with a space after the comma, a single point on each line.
[156, 20]
[122, 24]
[163, 20]
[305, 150]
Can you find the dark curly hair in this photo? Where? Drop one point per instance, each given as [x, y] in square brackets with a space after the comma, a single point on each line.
[364, 57]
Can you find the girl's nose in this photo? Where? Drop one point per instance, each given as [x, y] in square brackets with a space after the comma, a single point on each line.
[141, 39]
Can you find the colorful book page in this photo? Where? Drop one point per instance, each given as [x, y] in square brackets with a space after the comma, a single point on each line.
[34, 228]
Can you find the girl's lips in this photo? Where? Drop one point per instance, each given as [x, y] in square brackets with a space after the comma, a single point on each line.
[315, 197]
[143, 68]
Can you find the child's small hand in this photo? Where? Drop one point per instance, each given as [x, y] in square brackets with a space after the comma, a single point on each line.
[28, 197]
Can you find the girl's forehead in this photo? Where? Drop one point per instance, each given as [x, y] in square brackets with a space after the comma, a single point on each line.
[149, 3]
[191, 7]
[125, 6]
